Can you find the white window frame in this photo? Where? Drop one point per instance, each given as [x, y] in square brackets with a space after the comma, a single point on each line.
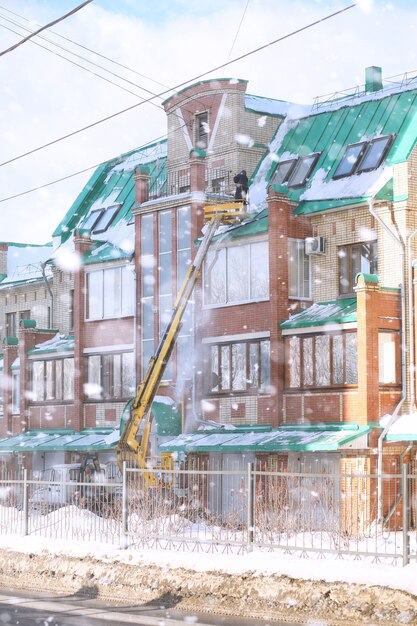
[227, 303]
[116, 315]
[300, 281]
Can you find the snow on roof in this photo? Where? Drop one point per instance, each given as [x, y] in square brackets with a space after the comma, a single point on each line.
[141, 157]
[258, 188]
[24, 262]
[405, 427]
[365, 184]
[271, 106]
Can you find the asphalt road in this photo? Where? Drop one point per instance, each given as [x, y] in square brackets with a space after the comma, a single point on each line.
[46, 609]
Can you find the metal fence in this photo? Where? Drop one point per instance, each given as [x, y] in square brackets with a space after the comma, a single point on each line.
[224, 510]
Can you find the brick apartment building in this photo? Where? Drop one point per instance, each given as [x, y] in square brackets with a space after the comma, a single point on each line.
[300, 335]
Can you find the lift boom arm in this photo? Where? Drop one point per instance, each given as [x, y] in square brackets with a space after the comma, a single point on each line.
[131, 449]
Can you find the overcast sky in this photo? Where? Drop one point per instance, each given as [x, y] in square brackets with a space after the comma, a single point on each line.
[165, 42]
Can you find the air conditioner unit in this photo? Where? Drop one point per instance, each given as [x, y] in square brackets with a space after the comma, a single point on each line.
[315, 245]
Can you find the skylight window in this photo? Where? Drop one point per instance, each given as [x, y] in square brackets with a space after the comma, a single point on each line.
[106, 219]
[283, 172]
[302, 170]
[92, 219]
[350, 160]
[363, 156]
[374, 154]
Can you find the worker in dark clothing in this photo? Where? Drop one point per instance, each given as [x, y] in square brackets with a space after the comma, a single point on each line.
[241, 182]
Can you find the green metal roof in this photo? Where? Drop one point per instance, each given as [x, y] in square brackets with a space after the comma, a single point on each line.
[329, 132]
[314, 206]
[332, 312]
[59, 343]
[256, 226]
[54, 440]
[113, 183]
[104, 251]
[320, 437]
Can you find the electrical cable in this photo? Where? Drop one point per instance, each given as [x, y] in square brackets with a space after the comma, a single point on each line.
[59, 19]
[301, 29]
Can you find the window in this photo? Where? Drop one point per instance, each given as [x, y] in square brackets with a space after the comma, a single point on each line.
[105, 219]
[242, 367]
[184, 343]
[388, 349]
[15, 392]
[375, 153]
[355, 258]
[165, 260]
[363, 156]
[298, 270]
[99, 220]
[110, 293]
[11, 328]
[52, 379]
[147, 261]
[202, 130]
[236, 274]
[302, 170]
[110, 376]
[283, 171]
[321, 360]
[12, 322]
[349, 160]
[92, 219]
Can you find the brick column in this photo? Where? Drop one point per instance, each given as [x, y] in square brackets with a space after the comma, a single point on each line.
[10, 353]
[3, 258]
[141, 178]
[279, 216]
[367, 293]
[82, 243]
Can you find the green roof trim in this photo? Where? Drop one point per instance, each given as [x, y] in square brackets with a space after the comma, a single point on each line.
[367, 278]
[322, 313]
[315, 438]
[308, 207]
[256, 226]
[10, 341]
[54, 440]
[104, 251]
[386, 192]
[63, 343]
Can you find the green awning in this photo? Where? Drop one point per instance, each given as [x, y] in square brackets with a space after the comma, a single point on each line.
[89, 439]
[315, 206]
[59, 343]
[323, 313]
[166, 414]
[314, 438]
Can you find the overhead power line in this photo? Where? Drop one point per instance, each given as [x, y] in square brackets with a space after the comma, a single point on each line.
[90, 50]
[295, 32]
[59, 19]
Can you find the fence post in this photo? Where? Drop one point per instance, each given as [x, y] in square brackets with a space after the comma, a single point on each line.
[406, 515]
[251, 498]
[25, 503]
[124, 508]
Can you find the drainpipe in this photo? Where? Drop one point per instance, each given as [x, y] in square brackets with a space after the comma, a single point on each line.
[394, 416]
[411, 319]
[51, 295]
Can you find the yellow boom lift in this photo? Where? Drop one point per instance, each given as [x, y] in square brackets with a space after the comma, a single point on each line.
[133, 447]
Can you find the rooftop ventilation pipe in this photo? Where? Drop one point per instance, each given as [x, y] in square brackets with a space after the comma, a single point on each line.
[373, 79]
